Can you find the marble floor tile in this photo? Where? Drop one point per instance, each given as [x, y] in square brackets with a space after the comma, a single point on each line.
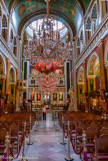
[46, 144]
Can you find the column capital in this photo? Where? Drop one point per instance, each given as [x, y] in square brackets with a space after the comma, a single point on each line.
[91, 76]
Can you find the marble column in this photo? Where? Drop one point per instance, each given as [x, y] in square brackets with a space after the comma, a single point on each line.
[57, 97]
[84, 35]
[7, 78]
[19, 55]
[106, 67]
[0, 25]
[85, 86]
[74, 77]
[65, 73]
[102, 67]
[102, 74]
[17, 93]
[41, 97]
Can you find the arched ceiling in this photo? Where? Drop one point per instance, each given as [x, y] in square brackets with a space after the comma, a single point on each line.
[71, 10]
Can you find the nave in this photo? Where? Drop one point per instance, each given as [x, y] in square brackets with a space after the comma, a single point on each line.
[46, 143]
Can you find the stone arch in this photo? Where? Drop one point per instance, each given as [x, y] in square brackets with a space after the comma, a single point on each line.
[92, 55]
[93, 73]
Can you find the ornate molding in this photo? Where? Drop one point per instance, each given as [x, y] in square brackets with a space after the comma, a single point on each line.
[91, 76]
[100, 33]
[80, 83]
[5, 50]
[3, 76]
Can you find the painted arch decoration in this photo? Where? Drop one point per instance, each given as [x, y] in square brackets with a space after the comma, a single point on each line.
[71, 9]
[93, 73]
[12, 85]
[80, 85]
[81, 75]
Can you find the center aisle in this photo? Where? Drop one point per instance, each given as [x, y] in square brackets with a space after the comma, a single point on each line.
[46, 143]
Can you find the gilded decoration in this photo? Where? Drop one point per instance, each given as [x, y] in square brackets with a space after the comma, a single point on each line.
[71, 9]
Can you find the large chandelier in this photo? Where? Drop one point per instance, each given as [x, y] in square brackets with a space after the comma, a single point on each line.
[46, 45]
[47, 82]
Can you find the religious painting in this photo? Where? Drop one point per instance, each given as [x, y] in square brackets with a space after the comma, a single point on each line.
[21, 10]
[55, 97]
[32, 96]
[38, 97]
[61, 97]
[94, 102]
[72, 11]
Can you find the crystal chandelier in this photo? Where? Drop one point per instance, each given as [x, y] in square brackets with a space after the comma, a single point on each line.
[46, 45]
[47, 82]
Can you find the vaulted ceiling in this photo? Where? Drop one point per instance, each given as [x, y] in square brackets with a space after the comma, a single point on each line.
[71, 11]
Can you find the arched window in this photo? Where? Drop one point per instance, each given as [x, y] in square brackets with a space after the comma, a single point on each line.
[0, 11]
[81, 35]
[14, 47]
[88, 29]
[4, 21]
[104, 7]
[88, 24]
[78, 47]
[94, 12]
[81, 41]
[78, 42]
[4, 27]
[11, 37]
[94, 18]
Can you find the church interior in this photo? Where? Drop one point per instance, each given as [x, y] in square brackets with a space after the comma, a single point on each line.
[53, 80]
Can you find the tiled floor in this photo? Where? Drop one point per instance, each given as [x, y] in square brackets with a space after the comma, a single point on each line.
[46, 144]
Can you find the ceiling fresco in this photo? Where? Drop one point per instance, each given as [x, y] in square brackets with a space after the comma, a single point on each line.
[72, 9]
